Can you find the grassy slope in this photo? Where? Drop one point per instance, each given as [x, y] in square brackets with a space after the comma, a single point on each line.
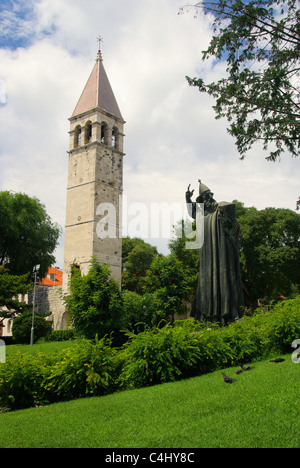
[46, 347]
[261, 409]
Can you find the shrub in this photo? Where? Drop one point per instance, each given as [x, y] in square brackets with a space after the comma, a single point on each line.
[170, 353]
[21, 380]
[282, 324]
[192, 348]
[85, 369]
[61, 335]
[153, 356]
[246, 339]
[171, 283]
[137, 308]
[21, 328]
[8, 340]
[94, 302]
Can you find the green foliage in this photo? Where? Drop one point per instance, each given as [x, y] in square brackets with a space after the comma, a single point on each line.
[270, 252]
[85, 369]
[177, 246]
[170, 353]
[261, 410]
[171, 283]
[22, 380]
[259, 94]
[27, 235]
[139, 308]
[192, 348]
[94, 302]
[247, 339]
[22, 327]
[150, 357]
[129, 243]
[282, 324]
[137, 258]
[61, 335]
[10, 287]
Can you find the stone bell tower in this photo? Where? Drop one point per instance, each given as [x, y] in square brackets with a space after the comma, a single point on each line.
[95, 178]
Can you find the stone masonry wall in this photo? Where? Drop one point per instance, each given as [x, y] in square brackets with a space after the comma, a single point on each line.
[49, 302]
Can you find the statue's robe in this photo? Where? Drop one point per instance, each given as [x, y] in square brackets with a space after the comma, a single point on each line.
[219, 295]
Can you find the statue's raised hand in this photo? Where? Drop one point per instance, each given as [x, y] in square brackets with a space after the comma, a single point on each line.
[189, 193]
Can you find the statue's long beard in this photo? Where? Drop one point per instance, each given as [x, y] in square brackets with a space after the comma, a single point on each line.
[210, 206]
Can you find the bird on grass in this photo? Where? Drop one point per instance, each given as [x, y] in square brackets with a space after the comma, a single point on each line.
[228, 379]
[239, 371]
[246, 367]
[277, 360]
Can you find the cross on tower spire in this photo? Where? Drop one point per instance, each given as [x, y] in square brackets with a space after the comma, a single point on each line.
[99, 40]
[99, 55]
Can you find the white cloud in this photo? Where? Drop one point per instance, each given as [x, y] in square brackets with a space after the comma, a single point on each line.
[172, 137]
[2, 92]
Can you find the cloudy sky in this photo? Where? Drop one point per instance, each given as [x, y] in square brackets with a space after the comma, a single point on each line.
[47, 51]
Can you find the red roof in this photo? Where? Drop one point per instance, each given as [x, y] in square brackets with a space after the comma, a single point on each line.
[98, 93]
[55, 280]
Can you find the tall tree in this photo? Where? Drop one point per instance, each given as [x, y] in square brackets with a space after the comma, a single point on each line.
[168, 278]
[270, 252]
[260, 41]
[10, 287]
[28, 237]
[178, 246]
[137, 258]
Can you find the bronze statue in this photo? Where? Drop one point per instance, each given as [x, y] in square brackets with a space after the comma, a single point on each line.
[219, 295]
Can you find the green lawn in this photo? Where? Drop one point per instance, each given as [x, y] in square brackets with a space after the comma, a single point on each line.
[261, 409]
[44, 347]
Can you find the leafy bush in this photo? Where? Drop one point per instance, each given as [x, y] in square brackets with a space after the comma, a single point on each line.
[162, 355]
[192, 348]
[61, 335]
[246, 339]
[85, 369]
[137, 308]
[282, 324]
[94, 302]
[8, 340]
[22, 378]
[21, 328]
[270, 329]
[170, 281]
[153, 356]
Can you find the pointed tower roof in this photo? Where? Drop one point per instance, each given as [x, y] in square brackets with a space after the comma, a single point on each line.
[98, 92]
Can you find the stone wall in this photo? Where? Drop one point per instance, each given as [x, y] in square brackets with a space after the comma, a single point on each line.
[49, 302]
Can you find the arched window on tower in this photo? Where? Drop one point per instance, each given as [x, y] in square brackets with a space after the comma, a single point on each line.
[115, 138]
[88, 132]
[77, 136]
[104, 133]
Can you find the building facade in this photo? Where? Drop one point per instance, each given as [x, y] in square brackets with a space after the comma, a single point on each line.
[95, 178]
[94, 192]
[54, 277]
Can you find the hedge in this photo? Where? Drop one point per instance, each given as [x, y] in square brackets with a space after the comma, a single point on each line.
[21, 329]
[32, 380]
[62, 335]
[153, 356]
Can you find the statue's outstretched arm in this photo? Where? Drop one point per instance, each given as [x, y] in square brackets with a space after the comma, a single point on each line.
[191, 206]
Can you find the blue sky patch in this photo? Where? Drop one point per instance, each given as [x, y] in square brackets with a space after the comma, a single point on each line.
[18, 22]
